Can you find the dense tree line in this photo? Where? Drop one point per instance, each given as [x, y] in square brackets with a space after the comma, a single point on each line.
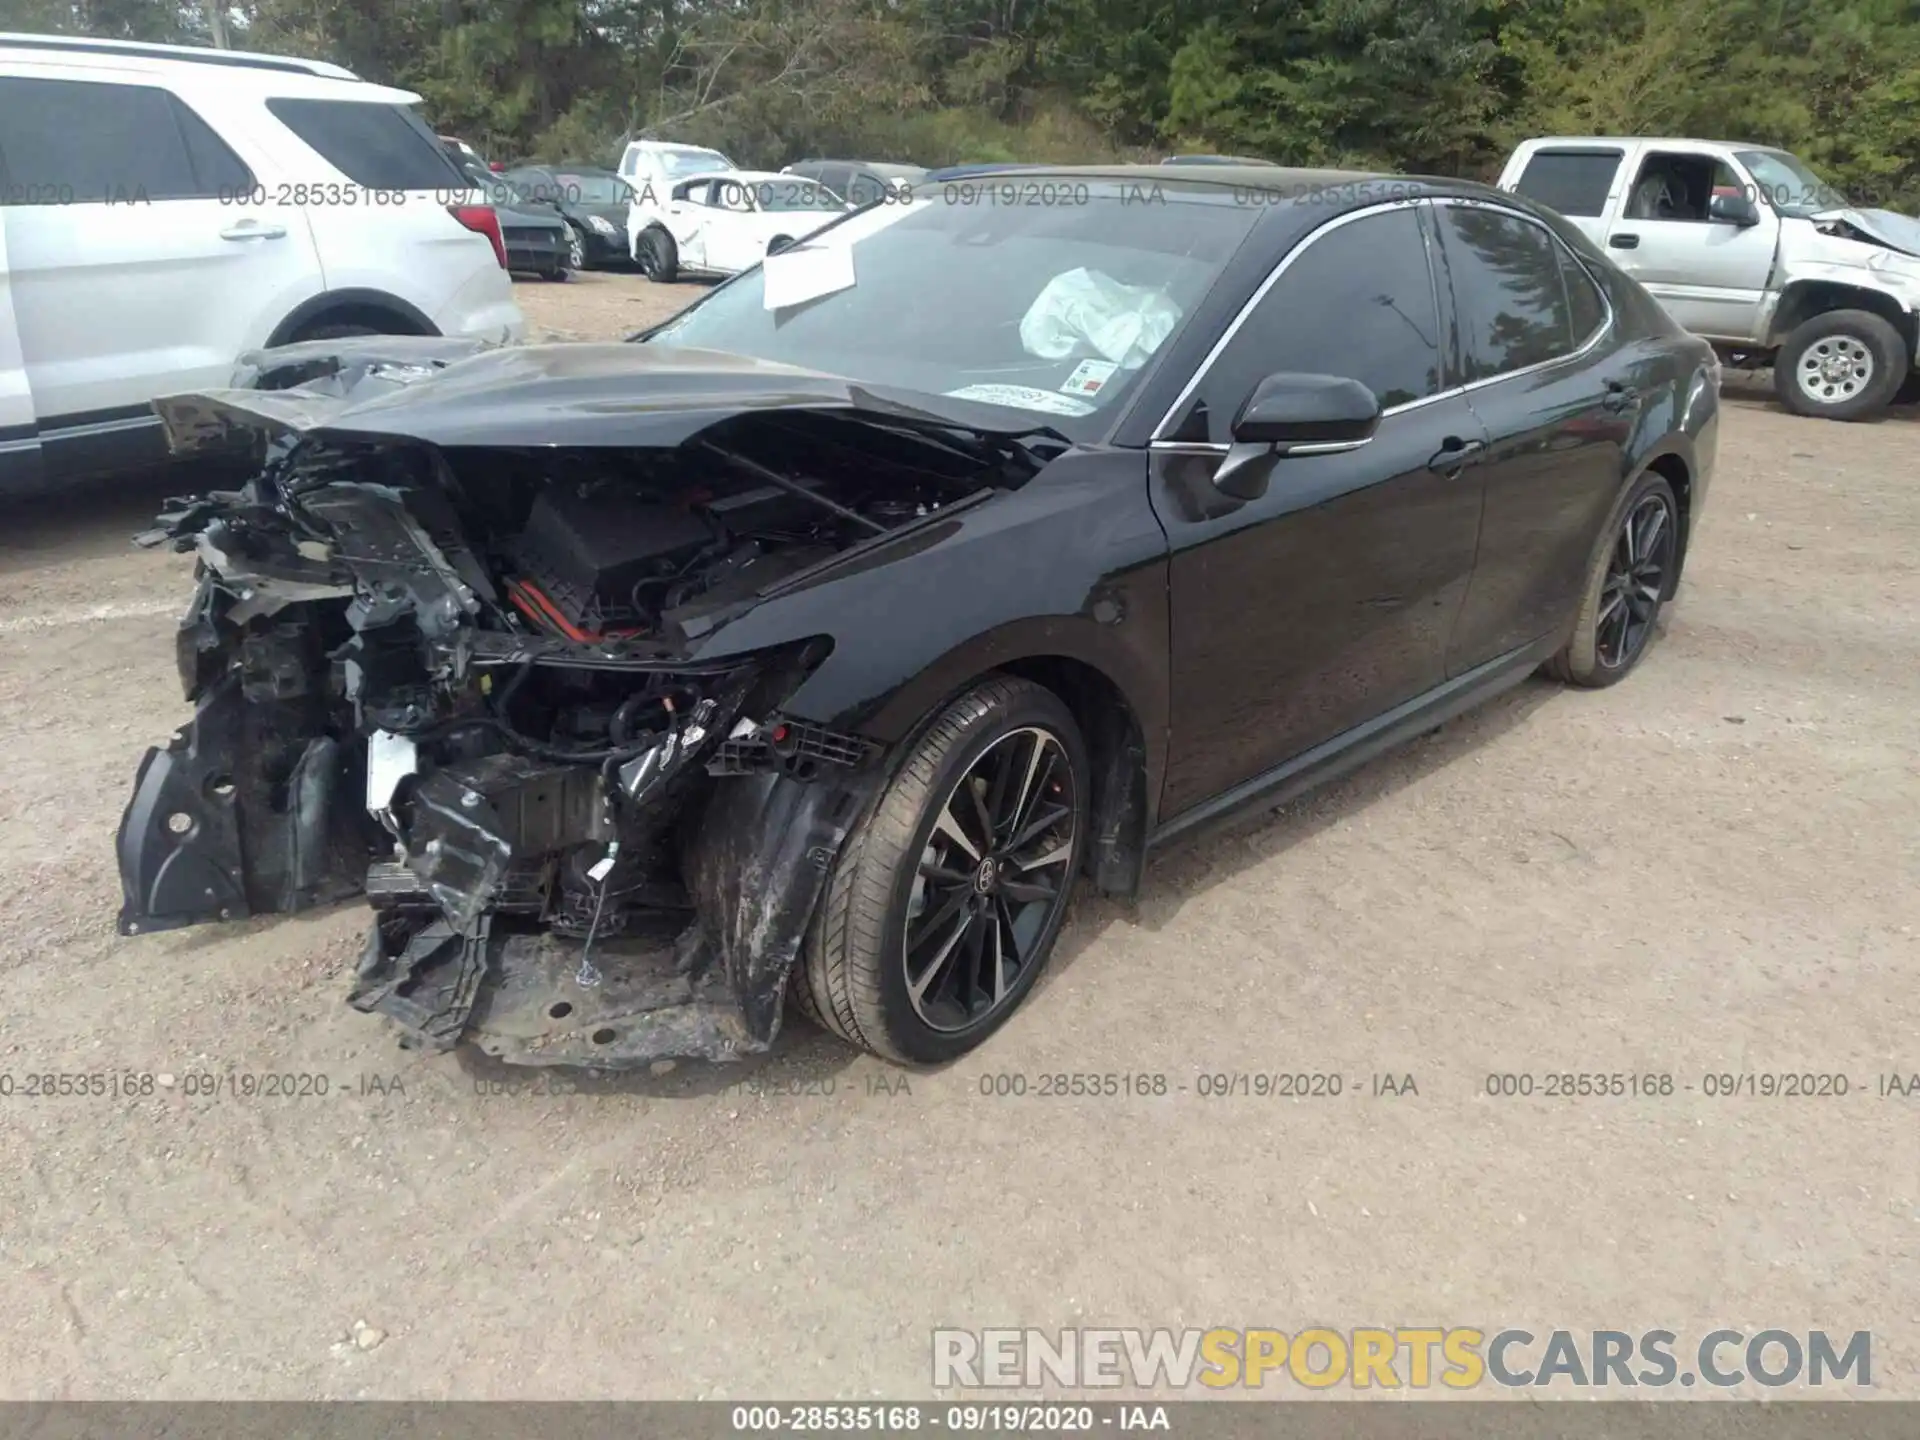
[1421, 85]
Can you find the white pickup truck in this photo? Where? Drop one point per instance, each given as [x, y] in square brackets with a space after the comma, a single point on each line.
[1747, 247]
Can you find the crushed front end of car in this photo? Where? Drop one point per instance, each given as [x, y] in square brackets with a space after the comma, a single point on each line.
[464, 661]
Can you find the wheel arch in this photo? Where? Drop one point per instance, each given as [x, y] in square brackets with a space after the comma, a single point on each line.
[353, 307]
[1117, 808]
[1673, 467]
[1804, 299]
[1124, 733]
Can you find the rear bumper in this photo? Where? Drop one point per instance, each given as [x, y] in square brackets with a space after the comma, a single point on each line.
[484, 308]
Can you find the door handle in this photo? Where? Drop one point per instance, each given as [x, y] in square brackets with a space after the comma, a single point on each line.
[253, 230]
[1624, 242]
[1453, 455]
[1620, 396]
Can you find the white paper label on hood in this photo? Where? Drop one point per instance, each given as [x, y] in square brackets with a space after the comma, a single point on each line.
[805, 272]
[1022, 397]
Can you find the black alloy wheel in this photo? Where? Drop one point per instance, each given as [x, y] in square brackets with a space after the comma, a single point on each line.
[1637, 576]
[1632, 571]
[992, 880]
[944, 903]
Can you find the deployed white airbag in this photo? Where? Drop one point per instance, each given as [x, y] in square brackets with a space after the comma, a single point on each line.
[1124, 323]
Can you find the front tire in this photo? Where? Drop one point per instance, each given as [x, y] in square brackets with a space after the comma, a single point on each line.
[1630, 578]
[945, 902]
[656, 255]
[1843, 365]
[576, 248]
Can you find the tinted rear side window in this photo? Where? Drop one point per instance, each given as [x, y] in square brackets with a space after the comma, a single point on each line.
[383, 147]
[1574, 182]
[1357, 301]
[1507, 287]
[866, 187]
[75, 142]
[217, 170]
[1583, 296]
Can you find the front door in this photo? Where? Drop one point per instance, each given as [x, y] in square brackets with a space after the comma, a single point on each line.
[1329, 599]
[688, 210]
[1711, 275]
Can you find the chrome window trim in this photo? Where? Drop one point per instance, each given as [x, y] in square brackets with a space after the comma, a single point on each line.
[1273, 277]
[1221, 447]
[100, 427]
[1198, 447]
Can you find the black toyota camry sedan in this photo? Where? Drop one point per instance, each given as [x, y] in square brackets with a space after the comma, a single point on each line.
[818, 642]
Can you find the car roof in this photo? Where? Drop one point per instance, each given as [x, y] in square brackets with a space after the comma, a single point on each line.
[190, 67]
[755, 177]
[1276, 185]
[86, 49]
[1542, 141]
[1253, 174]
[892, 168]
[678, 145]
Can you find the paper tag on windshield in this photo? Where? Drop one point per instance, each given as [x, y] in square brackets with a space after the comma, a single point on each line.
[1088, 377]
[805, 272]
[1022, 397]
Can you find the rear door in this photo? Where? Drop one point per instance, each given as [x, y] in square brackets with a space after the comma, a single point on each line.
[1557, 394]
[377, 185]
[1327, 601]
[140, 264]
[1710, 275]
[1576, 180]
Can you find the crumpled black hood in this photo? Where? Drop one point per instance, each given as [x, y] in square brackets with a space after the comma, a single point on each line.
[454, 392]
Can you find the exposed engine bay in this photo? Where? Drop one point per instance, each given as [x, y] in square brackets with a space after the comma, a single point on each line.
[470, 683]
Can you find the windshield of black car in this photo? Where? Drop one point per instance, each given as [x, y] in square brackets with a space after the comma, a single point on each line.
[1788, 184]
[1044, 302]
[578, 189]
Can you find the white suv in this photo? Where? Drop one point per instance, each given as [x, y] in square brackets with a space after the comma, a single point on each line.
[164, 209]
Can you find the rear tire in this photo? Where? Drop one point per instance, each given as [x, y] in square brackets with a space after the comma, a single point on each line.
[926, 941]
[1841, 365]
[1618, 621]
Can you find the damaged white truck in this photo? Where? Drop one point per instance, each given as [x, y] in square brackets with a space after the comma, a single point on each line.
[1750, 249]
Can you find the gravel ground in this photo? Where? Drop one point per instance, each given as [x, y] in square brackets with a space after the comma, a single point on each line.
[1710, 868]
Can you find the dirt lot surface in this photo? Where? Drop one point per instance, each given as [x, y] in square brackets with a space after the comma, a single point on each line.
[1710, 868]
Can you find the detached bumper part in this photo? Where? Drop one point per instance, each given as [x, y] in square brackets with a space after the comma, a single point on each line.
[713, 990]
[238, 816]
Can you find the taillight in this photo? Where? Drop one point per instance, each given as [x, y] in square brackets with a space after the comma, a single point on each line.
[482, 220]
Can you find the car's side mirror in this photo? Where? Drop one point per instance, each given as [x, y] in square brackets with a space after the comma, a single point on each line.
[1294, 413]
[1733, 210]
